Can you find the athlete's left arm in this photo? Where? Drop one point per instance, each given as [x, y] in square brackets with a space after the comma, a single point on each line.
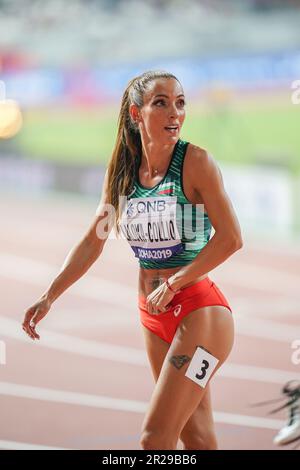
[207, 180]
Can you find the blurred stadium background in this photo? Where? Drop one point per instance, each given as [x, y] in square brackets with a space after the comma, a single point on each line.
[67, 63]
[63, 68]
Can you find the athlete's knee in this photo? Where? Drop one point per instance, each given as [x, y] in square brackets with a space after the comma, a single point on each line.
[157, 440]
[203, 441]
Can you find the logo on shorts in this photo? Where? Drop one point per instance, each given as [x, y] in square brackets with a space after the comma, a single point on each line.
[177, 310]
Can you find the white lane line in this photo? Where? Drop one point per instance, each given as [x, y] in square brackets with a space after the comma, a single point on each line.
[257, 374]
[246, 326]
[27, 270]
[249, 421]
[134, 406]
[89, 348]
[237, 273]
[35, 272]
[266, 329]
[74, 345]
[288, 246]
[14, 445]
[71, 398]
[75, 318]
[82, 319]
[261, 308]
[57, 236]
[41, 273]
[259, 278]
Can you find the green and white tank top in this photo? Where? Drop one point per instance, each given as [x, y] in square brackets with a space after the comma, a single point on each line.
[161, 225]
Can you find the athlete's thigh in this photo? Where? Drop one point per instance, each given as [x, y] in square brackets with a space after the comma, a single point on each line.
[200, 424]
[156, 349]
[175, 396]
[202, 418]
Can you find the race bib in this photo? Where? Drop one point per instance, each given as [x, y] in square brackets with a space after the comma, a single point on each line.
[149, 225]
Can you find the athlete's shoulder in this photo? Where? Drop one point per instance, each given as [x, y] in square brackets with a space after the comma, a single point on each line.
[201, 159]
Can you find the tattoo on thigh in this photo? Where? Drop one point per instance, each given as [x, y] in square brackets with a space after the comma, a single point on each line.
[179, 361]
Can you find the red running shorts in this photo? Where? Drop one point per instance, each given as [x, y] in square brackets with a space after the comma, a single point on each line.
[203, 293]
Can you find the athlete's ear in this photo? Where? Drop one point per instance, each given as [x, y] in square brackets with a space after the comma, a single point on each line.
[134, 112]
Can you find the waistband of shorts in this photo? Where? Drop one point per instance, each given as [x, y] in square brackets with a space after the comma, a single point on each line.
[199, 287]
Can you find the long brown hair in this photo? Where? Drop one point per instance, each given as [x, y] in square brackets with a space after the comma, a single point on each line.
[128, 145]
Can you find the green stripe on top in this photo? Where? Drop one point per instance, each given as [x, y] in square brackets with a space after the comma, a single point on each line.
[193, 224]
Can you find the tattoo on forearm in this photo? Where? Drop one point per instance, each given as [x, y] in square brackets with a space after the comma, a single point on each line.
[179, 361]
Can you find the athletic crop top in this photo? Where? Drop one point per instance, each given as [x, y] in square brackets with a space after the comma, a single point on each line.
[161, 225]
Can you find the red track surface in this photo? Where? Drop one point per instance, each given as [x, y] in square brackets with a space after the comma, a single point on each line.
[87, 382]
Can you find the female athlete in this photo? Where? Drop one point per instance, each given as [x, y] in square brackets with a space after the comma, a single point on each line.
[174, 194]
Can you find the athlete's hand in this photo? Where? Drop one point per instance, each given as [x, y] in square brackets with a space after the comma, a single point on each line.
[33, 315]
[159, 299]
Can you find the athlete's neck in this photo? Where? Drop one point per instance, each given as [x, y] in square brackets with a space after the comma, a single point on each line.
[155, 158]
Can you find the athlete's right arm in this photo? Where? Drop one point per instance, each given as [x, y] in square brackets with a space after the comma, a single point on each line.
[78, 261]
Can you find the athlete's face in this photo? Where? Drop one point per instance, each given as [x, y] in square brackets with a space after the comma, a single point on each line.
[163, 106]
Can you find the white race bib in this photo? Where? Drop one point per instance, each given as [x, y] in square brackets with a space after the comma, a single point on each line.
[149, 225]
[201, 367]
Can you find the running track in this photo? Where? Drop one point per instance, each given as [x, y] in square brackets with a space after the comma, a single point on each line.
[87, 382]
